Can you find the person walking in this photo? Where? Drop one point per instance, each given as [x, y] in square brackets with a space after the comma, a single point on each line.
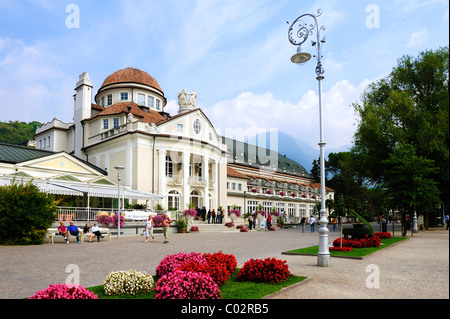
[149, 228]
[303, 222]
[312, 223]
[166, 223]
[446, 220]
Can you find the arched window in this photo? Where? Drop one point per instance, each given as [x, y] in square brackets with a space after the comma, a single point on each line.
[173, 200]
[196, 199]
[169, 167]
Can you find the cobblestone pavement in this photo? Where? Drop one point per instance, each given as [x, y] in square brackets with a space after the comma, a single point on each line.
[417, 268]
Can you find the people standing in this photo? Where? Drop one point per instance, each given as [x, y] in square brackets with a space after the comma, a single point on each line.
[303, 222]
[446, 220]
[250, 222]
[209, 216]
[312, 223]
[166, 223]
[149, 228]
[269, 221]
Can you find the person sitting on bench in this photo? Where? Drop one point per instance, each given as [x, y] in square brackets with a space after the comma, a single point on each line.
[95, 232]
[62, 230]
[73, 230]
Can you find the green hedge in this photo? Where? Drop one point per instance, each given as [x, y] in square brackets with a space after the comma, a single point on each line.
[359, 232]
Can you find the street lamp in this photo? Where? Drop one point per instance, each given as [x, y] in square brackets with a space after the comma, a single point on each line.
[118, 168]
[298, 33]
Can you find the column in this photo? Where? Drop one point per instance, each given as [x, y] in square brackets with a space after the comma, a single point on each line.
[162, 174]
[215, 178]
[205, 177]
[185, 196]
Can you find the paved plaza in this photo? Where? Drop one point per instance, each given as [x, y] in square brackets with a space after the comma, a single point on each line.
[415, 268]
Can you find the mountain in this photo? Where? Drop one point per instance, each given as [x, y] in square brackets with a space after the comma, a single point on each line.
[299, 151]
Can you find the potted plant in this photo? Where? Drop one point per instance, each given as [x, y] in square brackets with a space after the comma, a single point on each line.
[189, 214]
[234, 215]
[181, 225]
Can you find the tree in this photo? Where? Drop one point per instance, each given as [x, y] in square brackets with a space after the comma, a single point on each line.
[25, 214]
[409, 107]
[409, 182]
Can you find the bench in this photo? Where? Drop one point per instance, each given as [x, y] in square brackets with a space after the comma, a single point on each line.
[53, 232]
[104, 231]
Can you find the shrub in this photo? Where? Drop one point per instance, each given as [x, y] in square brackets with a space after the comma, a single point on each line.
[171, 262]
[64, 291]
[267, 270]
[244, 230]
[186, 285]
[383, 235]
[359, 232]
[157, 220]
[128, 283]
[25, 214]
[271, 228]
[194, 228]
[216, 270]
[229, 224]
[373, 241]
[226, 259]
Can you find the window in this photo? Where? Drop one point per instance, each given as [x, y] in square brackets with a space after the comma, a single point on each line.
[197, 126]
[302, 210]
[169, 167]
[158, 105]
[105, 124]
[173, 200]
[252, 206]
[233, 186]
[267, 206]
[180, 127]
[116, 122]
[291, 210]
[150, 101]
[124, 96]
[141, 99]
[239, 187]
[109, 97]
[228, 185]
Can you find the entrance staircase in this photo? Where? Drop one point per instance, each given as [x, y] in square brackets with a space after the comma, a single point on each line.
[204, 227]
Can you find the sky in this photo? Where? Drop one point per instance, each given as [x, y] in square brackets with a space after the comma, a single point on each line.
[234, 54]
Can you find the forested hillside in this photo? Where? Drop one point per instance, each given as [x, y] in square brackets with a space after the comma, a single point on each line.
[18, 133]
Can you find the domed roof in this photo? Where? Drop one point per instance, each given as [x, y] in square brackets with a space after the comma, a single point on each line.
[132, 75]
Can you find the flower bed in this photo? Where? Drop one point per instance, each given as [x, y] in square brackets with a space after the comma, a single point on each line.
[227, 259]
[383, 235]
[271, 228]
[229, 224]
[244, 230]
[373, 241]
[171, 262]
[128, 282]
[341, 248]
[64, 291]
[187, 285]
[194, 228]
[267, 270]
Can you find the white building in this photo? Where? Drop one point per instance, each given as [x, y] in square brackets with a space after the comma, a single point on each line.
[178, 156]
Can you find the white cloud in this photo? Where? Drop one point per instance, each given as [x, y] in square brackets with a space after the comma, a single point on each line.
[418, 38]
[264, 111]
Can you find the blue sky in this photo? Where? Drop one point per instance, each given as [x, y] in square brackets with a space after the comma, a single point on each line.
[234, 54]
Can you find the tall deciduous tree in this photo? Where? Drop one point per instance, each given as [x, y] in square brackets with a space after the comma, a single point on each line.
[410, 107]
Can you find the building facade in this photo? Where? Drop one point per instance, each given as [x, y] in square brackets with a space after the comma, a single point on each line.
[180, 156]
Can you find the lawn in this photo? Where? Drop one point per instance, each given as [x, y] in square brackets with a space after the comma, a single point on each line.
[232, 289]
[356, 252]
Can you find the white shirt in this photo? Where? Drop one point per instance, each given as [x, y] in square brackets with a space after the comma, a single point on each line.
[95, 228]
[312, 220]
[148, 225]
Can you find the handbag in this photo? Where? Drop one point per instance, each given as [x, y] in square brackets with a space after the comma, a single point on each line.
[144, 233]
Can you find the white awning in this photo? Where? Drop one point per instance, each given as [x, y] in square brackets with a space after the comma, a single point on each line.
[92, 190]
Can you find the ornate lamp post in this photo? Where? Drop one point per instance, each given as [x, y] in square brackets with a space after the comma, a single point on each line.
[298, 33]
[119, 169]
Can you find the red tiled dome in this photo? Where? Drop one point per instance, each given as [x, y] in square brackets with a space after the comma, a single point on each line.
[132, 75]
